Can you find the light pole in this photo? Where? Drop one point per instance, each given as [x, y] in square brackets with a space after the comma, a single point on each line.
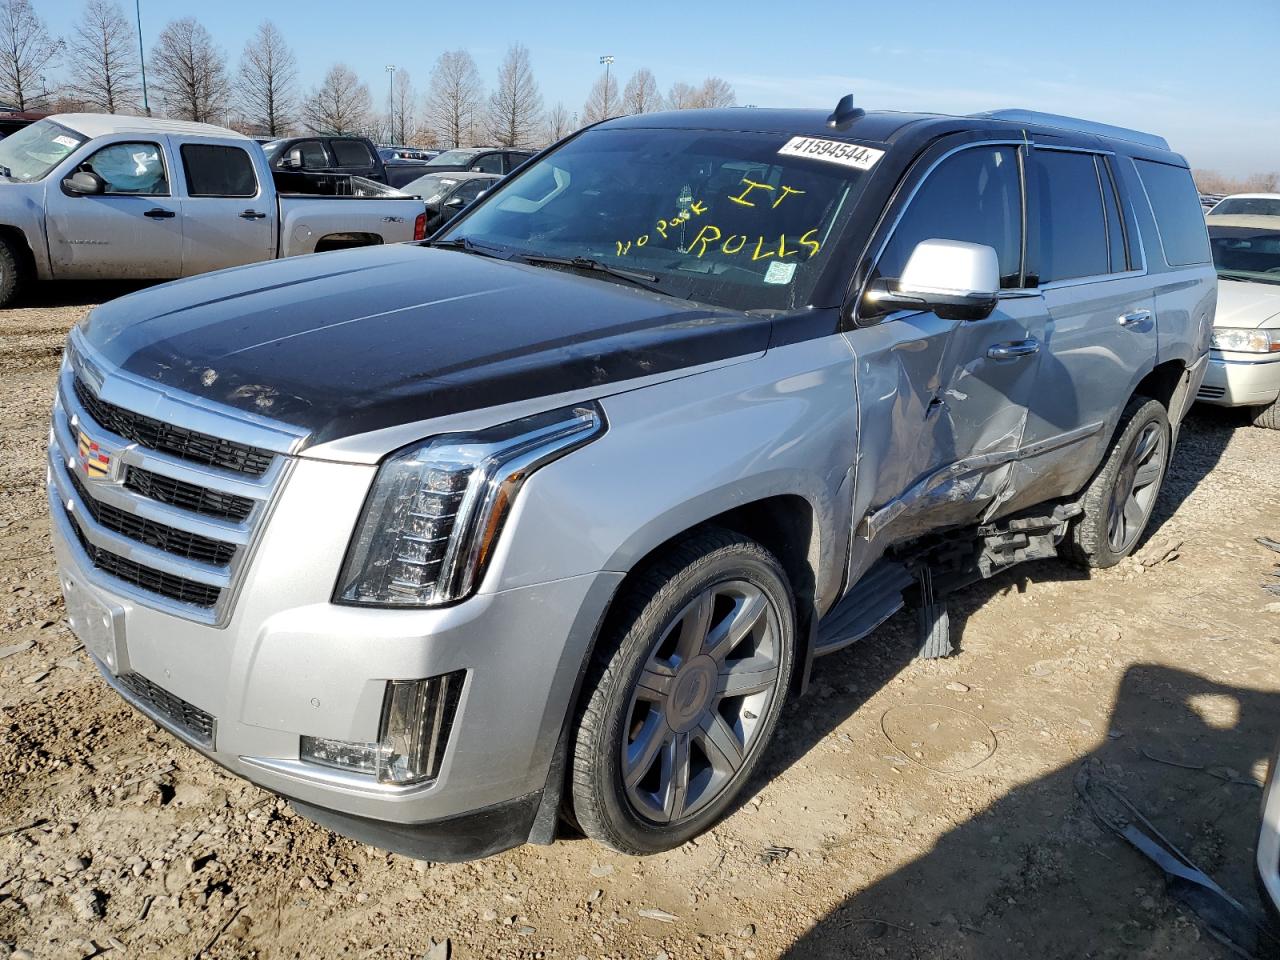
[142, 57]
[606, 60]
[391, 102]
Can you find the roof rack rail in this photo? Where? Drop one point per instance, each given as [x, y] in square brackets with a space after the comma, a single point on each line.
[1076, 125]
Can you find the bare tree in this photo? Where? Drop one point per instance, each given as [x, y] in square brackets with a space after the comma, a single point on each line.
[26, 50]
[341, 104]
[716, 92]
[103, 59]
[641, 93]
[603, 101]
[454, 97]
[267, 81]
[1210, 181]
[190, 72]
[681, 96]
[515, 106]
[557, 125]
[400, 124]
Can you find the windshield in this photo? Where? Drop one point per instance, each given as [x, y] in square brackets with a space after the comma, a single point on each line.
[431, 187]
[33, 151]
[453, 157]
[722, 217]
[1247, 253]
[1248, 207]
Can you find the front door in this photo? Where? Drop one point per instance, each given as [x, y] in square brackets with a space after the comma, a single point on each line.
[943, 403]
[230, 218]
[133, 230]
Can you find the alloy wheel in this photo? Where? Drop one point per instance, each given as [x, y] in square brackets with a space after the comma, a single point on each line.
[695, 712]
[1137, 486]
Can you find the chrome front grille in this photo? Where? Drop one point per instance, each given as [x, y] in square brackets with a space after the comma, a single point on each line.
[164, 494]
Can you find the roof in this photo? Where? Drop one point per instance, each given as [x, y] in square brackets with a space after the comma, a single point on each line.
[104, 124]
[1252, 196]
[884, 125]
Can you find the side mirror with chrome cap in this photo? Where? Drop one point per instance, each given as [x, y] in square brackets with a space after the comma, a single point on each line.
[955, 279]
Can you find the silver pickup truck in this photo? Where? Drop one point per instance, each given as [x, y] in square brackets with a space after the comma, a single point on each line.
[95, 196]
[546, 519]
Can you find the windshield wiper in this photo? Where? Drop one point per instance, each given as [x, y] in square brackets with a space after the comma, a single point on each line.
[1247, 277]
[468, 245]
[646, 281]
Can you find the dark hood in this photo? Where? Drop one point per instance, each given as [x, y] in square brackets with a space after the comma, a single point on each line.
[344, 343]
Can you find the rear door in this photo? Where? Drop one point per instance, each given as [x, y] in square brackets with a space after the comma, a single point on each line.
[228, 213]
[1101, 336]
[942, 403]
[133, 230]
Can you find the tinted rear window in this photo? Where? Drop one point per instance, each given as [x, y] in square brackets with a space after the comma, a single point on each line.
[1179, 216]
[351, 153]
[216, 171]
[1072, 224]
[1248, 207]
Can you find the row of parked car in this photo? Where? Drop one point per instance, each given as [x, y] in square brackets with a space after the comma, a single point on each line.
[100, 196]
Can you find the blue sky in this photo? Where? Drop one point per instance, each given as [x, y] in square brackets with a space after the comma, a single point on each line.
[1202, 75]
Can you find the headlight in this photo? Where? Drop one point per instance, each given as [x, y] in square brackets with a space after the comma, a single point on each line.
[436, 509]
[1239, 340]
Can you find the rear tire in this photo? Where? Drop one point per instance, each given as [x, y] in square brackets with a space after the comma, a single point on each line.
[684, 693]
[1267, 417]
[13, 271]
[1119, 501]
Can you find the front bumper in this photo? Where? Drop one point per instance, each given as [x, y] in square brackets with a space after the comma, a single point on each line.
[1239, 380]
[291, 664]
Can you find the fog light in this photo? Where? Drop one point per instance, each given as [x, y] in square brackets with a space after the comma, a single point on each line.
[417, 717]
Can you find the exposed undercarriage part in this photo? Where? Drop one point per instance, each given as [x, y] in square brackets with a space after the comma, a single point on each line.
[922, 573]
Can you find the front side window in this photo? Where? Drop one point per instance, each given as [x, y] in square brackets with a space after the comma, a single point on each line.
[471, 189]
[975, 196]
[1071, 229]
[135, 169]
[351, 153]
[218, 171]
[488, 163]
[1179, 216]
[729, 218]
[33, 151]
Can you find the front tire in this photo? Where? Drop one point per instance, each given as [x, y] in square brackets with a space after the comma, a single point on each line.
[13, 272]
[684, 693]
[1119, 501]
[1268, 416]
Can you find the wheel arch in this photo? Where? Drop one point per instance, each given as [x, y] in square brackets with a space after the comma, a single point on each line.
[17, 237]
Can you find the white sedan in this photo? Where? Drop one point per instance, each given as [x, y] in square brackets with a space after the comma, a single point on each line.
[1244, 366]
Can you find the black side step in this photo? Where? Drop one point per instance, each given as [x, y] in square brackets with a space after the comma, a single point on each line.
[875, 598]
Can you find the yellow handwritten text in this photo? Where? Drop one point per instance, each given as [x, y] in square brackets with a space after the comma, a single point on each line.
[711, 237]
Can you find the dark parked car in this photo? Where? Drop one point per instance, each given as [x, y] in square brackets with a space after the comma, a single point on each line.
[479, 160]
[449, 193]
[355, 156]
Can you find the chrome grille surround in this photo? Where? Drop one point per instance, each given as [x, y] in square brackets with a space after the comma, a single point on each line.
[137, 559]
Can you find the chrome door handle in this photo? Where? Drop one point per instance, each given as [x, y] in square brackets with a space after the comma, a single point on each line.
[1013, 349]
[1134, 318]
[252, 215]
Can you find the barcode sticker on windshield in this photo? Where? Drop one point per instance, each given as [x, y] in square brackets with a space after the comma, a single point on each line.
[833, 151]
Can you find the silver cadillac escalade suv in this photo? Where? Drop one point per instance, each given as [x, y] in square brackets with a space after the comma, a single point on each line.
[541, 521]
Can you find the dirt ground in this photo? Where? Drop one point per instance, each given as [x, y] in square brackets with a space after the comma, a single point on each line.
[908, 809]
